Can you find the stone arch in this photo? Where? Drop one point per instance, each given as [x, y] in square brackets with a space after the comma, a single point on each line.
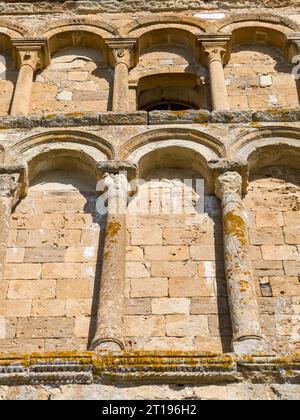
[203, 146]
[140, 26]
[272, 202]
[250, 144]
[90, 147]
[103, 29]
[13, 30]
[280, 23]
[64, 225]
[212, 147]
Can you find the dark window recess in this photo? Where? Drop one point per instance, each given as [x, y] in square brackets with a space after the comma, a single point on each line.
[168, 106]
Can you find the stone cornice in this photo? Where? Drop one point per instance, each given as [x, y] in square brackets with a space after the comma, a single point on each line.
[151, 118]
[117, 6]
[144, 367]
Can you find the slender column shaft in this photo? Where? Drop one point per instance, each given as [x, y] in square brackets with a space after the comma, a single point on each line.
[121, 88]
[219, 96]
[109, 323]
[22, 95]
[247, 334]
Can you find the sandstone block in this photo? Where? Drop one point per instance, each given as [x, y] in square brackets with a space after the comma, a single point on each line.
[192, 287]
[171, 269]
[82, 325]
[15, 255]
[186, 326]
[82, 254]
[48, 307]
[134, 253]
[149, 287]
[78, 307]
[22, 271]
[266, 236]
[144, 326]
[137, 269]
[16, 308]
[203, 252]
[55, 327]
[269, 219]
[146, 236]
[43, 255]
[166, 306]
[63, 270]
[166, 253]
[281, 252]
[31, 289]
[74, 288]
[137, 306]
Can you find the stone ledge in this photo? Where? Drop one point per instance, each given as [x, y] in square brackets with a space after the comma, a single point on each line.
[145, 367]
[201, 117]
[116, 6]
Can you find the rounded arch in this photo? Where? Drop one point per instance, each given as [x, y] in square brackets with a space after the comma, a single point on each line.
[211, 147]
[13, 30]
[85, 146]
[78, 32]
[167, 36]
[280, 23]
[285, 154]
[270, 145]
[139, 27]
[100, 28]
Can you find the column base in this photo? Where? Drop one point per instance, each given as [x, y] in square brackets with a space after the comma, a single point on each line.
[251, 346]
[107, 345]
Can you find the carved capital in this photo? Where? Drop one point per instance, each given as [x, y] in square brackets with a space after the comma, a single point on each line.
[219, 167]
[123, 50]
[228, 183]
[117, 166]
[33, 52]
[13, 182]
[214, 47]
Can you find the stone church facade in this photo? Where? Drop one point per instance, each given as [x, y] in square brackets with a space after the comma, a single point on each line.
[149, 300]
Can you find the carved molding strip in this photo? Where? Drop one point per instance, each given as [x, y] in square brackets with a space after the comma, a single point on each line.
[117, 6]
[144, 367]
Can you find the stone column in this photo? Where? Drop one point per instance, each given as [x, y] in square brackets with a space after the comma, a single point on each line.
[109, 323]
[122, 58]
[214, 50]
[247, 334]
[30, 55]
[12, 188]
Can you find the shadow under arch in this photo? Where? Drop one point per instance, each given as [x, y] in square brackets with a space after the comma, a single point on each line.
[284, 155]
[272, 136]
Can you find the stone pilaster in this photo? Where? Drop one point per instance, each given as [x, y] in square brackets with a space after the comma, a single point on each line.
[30, 55]
[13, 184]
[214, 52]
[109, 323]
[247, 333]
[122, 58]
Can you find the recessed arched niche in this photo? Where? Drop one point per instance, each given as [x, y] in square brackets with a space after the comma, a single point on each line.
[55, 251]
[175, 254]
[78, 77]
[273, 208]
